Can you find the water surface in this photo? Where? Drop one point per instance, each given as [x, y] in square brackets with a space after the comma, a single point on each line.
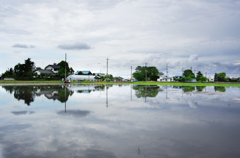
[119, 121]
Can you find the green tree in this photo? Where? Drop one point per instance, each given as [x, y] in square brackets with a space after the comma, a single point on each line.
[61, 71]
[8, 73]
[188, 73]
[199, 74]
[222, 76]
[140, 73]
[24, 71]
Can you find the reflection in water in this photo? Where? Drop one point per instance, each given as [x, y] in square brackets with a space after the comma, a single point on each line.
[146, 91]
[200, 88]
[219, 89]
[54, 92]
[174, 122]
[74, 113]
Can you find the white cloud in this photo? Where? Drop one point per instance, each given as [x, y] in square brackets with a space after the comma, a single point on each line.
[158, 32]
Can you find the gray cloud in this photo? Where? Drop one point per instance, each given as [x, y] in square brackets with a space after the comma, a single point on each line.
[23, 46]
[75, 113]
[76, 46]
[15, 31]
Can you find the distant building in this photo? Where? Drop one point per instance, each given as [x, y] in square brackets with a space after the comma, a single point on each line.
[164, 78]
[83, 73]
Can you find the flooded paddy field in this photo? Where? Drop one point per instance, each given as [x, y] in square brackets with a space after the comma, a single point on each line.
[119, 121]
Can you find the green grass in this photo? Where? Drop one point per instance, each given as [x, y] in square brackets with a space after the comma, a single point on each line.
[227, 84]
[34, 81]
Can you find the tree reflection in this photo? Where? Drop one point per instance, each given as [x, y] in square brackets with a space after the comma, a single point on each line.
[62, 97]
[25, 93]
[146, 91]
[219, 89]
[187, 88]
[200, 88]
[28, 93]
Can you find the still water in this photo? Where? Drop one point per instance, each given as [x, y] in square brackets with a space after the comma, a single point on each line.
[118, 121]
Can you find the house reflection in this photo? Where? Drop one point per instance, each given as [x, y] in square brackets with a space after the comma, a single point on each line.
[49, 94]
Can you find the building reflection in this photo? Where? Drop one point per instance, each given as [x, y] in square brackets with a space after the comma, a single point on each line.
[60, 93]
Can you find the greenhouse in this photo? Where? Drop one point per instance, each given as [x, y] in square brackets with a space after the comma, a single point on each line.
[80, 78]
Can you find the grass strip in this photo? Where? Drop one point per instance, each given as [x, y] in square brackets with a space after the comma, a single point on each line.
[227, 84]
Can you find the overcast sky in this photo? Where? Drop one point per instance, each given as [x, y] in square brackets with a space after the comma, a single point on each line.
[202, 34]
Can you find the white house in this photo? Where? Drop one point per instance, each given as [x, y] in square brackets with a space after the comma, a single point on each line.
[54, 68]
[44, 71]
[164, 78]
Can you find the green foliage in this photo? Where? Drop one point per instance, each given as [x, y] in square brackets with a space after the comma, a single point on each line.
[220, 76]
[25, 93]
[201, 79]
[200, 88]
[219, 88]
[108, 77]
[188, 73]
[24, 71]
[146, 91]
[199, 74]
[188, 88]
[61, 71]
[140, 73]
[63, 94]
[8, 73]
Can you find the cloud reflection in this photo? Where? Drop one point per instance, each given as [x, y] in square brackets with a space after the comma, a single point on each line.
[22, 112]
[74, 113]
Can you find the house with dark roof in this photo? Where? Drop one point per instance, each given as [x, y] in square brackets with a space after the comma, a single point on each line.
[54, 68]
[50, 69]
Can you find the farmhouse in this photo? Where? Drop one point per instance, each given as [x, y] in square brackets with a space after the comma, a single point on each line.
[54, 68]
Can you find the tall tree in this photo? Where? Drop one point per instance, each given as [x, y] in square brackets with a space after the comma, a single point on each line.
[61, 71]
[141, 72]
[199, 74]
[220, 76]
[24, 71]
[188, 73]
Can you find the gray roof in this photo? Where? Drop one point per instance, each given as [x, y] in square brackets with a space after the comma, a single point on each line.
[45, 71]
[54, 66]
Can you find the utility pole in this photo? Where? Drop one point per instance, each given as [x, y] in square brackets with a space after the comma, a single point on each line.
[107, 67]
[191, 67]
[146, 71]
[182, 67]
[167, 70]
[65, 65]
[131, 75]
